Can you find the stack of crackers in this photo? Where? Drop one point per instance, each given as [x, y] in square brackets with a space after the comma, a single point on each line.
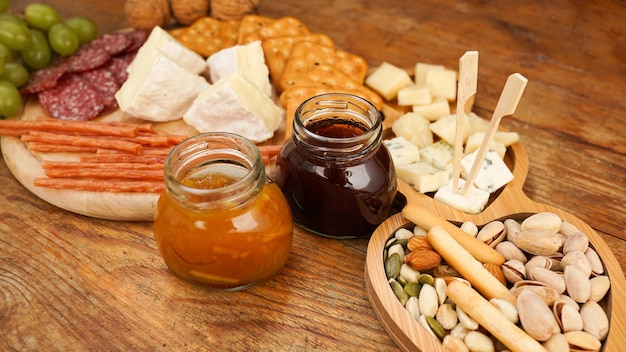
[301, 63]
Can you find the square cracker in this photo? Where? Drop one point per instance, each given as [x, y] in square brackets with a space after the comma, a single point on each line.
[208, 35]
[283, 26]
[251, 24]
[278, 49]
[307, 55]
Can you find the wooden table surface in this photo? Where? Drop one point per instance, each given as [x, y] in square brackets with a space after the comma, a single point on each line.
[68, 282]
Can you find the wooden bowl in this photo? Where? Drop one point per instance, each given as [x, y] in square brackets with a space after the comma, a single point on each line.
[510, 203]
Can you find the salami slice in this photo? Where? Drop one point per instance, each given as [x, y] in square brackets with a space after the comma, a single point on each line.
[113, 43]
[73, 98]
[87, 58]
[137, 39]
[43, 79]
[106, 83]
[117, 66]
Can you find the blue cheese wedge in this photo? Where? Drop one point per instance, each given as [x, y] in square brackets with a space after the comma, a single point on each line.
[423, 176]
[493, 173]
[234, 104]
[472, 203]
[440, 154]
[159, 89]
[248, 58]
[402, 151]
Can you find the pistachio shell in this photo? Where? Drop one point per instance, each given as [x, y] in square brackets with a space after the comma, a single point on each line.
[510, 251]
[577, 284]
[512, 229]
[548, 277]
[576, 242]
[594, 318]
[582, 341]
[578, 259]
[538, 241]
[568, 228]
[541, 262]
[548, 294]
[599, 287]
[556, 343]
[544, 220]
[514, 271]
[535, 316]
[492, 233]
[569, 318]
[594, 260]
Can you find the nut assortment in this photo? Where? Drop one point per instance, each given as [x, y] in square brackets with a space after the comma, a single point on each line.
[557, 279]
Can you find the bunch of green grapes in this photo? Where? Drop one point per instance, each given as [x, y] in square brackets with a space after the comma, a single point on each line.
[30, 42]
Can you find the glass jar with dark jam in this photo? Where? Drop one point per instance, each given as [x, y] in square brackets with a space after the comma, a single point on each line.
[221, 222]
[336, 174]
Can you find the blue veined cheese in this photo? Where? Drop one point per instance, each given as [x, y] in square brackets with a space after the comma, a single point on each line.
[493, 172]
[423, 176]
[233, 104]
[160, 42]
[248, 58]
[440, 154]
[159, 89]
[472, 203]
[402, 151]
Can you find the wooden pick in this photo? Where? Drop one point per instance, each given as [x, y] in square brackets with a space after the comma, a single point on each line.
[506, 106]
[468, 76]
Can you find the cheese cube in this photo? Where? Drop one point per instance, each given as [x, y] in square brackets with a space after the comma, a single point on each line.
[248, 59]
[438, 107]
[423, 176]
[413, 128]
[445, 128]
[506, 138]
[402, 151]
[387, 80]
[473, 203]
[159, 89]
[442, 83]
[477, 123]
[233, 104]
[420, 71]
[160, 42]
[476, 139]
[414, 95]
[493, 172]
[440, 154]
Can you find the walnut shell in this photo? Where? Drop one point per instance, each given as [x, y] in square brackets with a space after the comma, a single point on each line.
[233, 9]
[147, 14]
[187, 11]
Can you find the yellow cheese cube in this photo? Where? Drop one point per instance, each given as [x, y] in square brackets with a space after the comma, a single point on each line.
[415, 94]
[433, 111]
[442, 83]
[420, 71]
[387, 80]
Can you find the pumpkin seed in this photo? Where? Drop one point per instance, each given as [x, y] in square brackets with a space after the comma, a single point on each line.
[392, 265]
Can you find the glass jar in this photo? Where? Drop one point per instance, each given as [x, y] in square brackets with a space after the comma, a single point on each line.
[220, 221]
[337, 175]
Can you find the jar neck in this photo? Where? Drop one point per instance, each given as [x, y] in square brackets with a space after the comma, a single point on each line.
[352, 112]
[209, 155]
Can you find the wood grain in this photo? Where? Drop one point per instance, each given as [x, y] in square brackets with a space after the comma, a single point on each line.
[69, 282]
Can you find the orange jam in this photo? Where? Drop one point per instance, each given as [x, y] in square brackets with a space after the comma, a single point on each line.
[220, 240]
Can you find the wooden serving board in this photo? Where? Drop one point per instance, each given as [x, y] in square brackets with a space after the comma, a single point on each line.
[25, 166]
[511, 203]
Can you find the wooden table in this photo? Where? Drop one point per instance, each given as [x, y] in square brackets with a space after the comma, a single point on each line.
[69, 282]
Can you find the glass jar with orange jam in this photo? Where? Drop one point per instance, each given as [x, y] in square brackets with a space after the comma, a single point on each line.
[221, 221]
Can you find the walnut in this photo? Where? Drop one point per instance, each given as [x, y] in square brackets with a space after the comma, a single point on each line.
[187, 11]
[233, 9]
[146, 14]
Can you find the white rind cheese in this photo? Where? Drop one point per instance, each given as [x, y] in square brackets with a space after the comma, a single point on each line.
[234, 104]
[493, 172]
[473, 203]
[402, 151]
[249, 59]
[159, 89]
[423, 176]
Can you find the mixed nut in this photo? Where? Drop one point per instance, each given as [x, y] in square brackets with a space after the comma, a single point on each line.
[557, 278]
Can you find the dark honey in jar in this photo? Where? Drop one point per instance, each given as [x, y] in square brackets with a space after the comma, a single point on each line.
[334, 171]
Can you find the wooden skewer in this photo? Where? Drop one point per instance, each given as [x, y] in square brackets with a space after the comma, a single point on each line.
[506, 106]
[468, 76]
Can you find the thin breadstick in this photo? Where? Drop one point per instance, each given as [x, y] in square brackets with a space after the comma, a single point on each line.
[46, 165]
[80, 141]
[122, 158]
[57, 148]
[84, 127]
[101, 185]
[489, 317]
[470, 268]
[12, 132]
[153, 175]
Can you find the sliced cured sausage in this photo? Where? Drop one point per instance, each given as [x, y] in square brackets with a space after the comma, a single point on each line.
[106, 83]
[73, 98]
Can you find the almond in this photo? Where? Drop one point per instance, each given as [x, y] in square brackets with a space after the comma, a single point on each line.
[495, 270]
[416, 243]
[422, 260]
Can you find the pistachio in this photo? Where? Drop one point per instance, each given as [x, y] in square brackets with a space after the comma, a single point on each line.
[582, 341]
[599, 287]
[514, 270]
[548, 221]
[577, 284]
[447, 316]
[510, 251]
[594, 318]
[569, 301]
[577, 241]
[540, 261]
[535, 316]
[578, 259]
[492, 233]
[556, 343]
[547, 294]
[538, 241]
[594, 261]
[548, 277]
[569, 318]
[512, 229]
[477, 341]
[428, 301]
[568, 228]
[454, 344]
[470, 228]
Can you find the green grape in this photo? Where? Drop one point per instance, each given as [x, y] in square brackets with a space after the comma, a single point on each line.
[4, 5]
[6, 53]
[41, 16]
[86, 28]
[15, 73]
[38, 54]
[14, 35]
[10, 99]
[63, 40]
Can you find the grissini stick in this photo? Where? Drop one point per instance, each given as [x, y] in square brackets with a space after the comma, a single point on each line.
[471, 269]
[468, 76]
[487, 315]
[510, 97]
[426, 220]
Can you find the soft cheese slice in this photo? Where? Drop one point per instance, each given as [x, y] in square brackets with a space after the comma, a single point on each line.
[248, 59]
[233, 104]
[472, 203]
[402, 151]
[159, 89]
[160, 42]
[493, 172]
[423, 176]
